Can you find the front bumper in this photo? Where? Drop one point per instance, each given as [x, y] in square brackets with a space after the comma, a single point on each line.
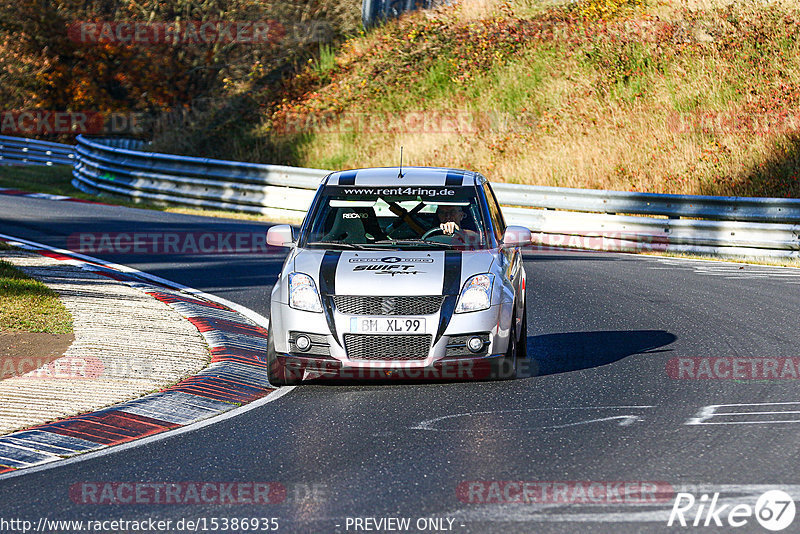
[329, 348]
[452, 369]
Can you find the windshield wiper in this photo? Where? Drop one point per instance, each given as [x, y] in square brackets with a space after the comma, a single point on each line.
[333, 244]
[413, 242]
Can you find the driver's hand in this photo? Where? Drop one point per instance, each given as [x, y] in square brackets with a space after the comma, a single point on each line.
[449, 228]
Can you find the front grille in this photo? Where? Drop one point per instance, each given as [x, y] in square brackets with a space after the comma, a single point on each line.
[369, 305]
[392, 347]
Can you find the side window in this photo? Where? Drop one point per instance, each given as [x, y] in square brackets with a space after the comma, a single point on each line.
[494, 212]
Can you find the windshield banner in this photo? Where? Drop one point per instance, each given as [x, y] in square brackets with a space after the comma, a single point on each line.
[398, 191]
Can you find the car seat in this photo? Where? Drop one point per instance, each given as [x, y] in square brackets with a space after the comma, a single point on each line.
[354, 225]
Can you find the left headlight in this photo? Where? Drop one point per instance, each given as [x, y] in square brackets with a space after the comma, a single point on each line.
[476, 294]
[303, 294]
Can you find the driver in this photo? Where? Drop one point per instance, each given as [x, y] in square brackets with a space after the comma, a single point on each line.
[450, 217]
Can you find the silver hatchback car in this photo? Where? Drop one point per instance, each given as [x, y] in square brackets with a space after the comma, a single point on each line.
[395, 272]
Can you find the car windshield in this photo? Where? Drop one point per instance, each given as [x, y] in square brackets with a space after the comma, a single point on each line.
[397, 217]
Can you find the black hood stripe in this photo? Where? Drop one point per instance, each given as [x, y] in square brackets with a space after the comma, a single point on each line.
[451, 282]
[347, 178]
[327, 287]
[451, 285]
[454, 178]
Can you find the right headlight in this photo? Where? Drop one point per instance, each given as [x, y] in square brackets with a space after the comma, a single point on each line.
[303, 294]
[476, 294]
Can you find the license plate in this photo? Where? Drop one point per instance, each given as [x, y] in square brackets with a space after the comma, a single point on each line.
[387, 325]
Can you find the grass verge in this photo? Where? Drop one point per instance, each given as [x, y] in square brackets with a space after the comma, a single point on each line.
[775, 262]
[28, 305]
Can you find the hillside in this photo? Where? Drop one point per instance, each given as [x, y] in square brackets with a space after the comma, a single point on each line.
[669, 97]
[145, 67]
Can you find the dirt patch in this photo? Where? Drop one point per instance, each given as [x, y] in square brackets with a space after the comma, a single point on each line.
[22, 352]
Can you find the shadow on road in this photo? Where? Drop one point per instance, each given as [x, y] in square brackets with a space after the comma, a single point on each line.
[573, 351]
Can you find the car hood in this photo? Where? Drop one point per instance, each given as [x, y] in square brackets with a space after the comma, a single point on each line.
[391, 272]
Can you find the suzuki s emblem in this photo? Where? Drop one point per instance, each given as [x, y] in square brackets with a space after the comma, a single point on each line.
[387, 306]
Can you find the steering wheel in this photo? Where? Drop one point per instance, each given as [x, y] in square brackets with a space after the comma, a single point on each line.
[432, 231]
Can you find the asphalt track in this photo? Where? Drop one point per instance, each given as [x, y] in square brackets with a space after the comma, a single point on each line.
[602, 330]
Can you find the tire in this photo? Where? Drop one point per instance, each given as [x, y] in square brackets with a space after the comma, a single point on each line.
[276, 371]
[506, 368]
[523, 363]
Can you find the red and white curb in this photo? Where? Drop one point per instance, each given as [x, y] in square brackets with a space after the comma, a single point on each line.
[236, 376]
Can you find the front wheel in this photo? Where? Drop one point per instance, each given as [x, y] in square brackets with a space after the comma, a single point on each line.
[507, 367]
[522, 362]
[277, 372]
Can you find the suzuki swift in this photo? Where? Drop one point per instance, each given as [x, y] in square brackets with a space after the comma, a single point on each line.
[399, 271]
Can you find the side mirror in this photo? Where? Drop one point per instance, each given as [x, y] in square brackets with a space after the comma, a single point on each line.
[280, 235]
[517, 236]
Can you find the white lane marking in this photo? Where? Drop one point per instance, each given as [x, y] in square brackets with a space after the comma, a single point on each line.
[775, 271]
[730, 494]
[734, 269]
[705, 262]
[625, 420]
[728, 269]
[429, 424]
[744, 274]
[46, 196]
[711, 411]
[275, 395]
[250, 314]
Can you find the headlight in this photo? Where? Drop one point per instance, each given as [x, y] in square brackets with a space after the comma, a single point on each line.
[303, 293]
[476, 294]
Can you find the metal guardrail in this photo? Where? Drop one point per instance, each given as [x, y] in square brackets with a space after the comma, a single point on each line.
[603, 220]
[785, 210]
[375, 12]
[201, 182]
[642, 234]
[737, 226]
[23, 151]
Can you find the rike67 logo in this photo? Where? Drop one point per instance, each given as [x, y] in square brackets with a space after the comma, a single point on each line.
[774, 510]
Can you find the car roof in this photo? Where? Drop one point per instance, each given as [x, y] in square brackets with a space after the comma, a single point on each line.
[412, 176]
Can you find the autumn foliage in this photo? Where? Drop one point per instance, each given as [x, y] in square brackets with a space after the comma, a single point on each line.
[44, 64]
